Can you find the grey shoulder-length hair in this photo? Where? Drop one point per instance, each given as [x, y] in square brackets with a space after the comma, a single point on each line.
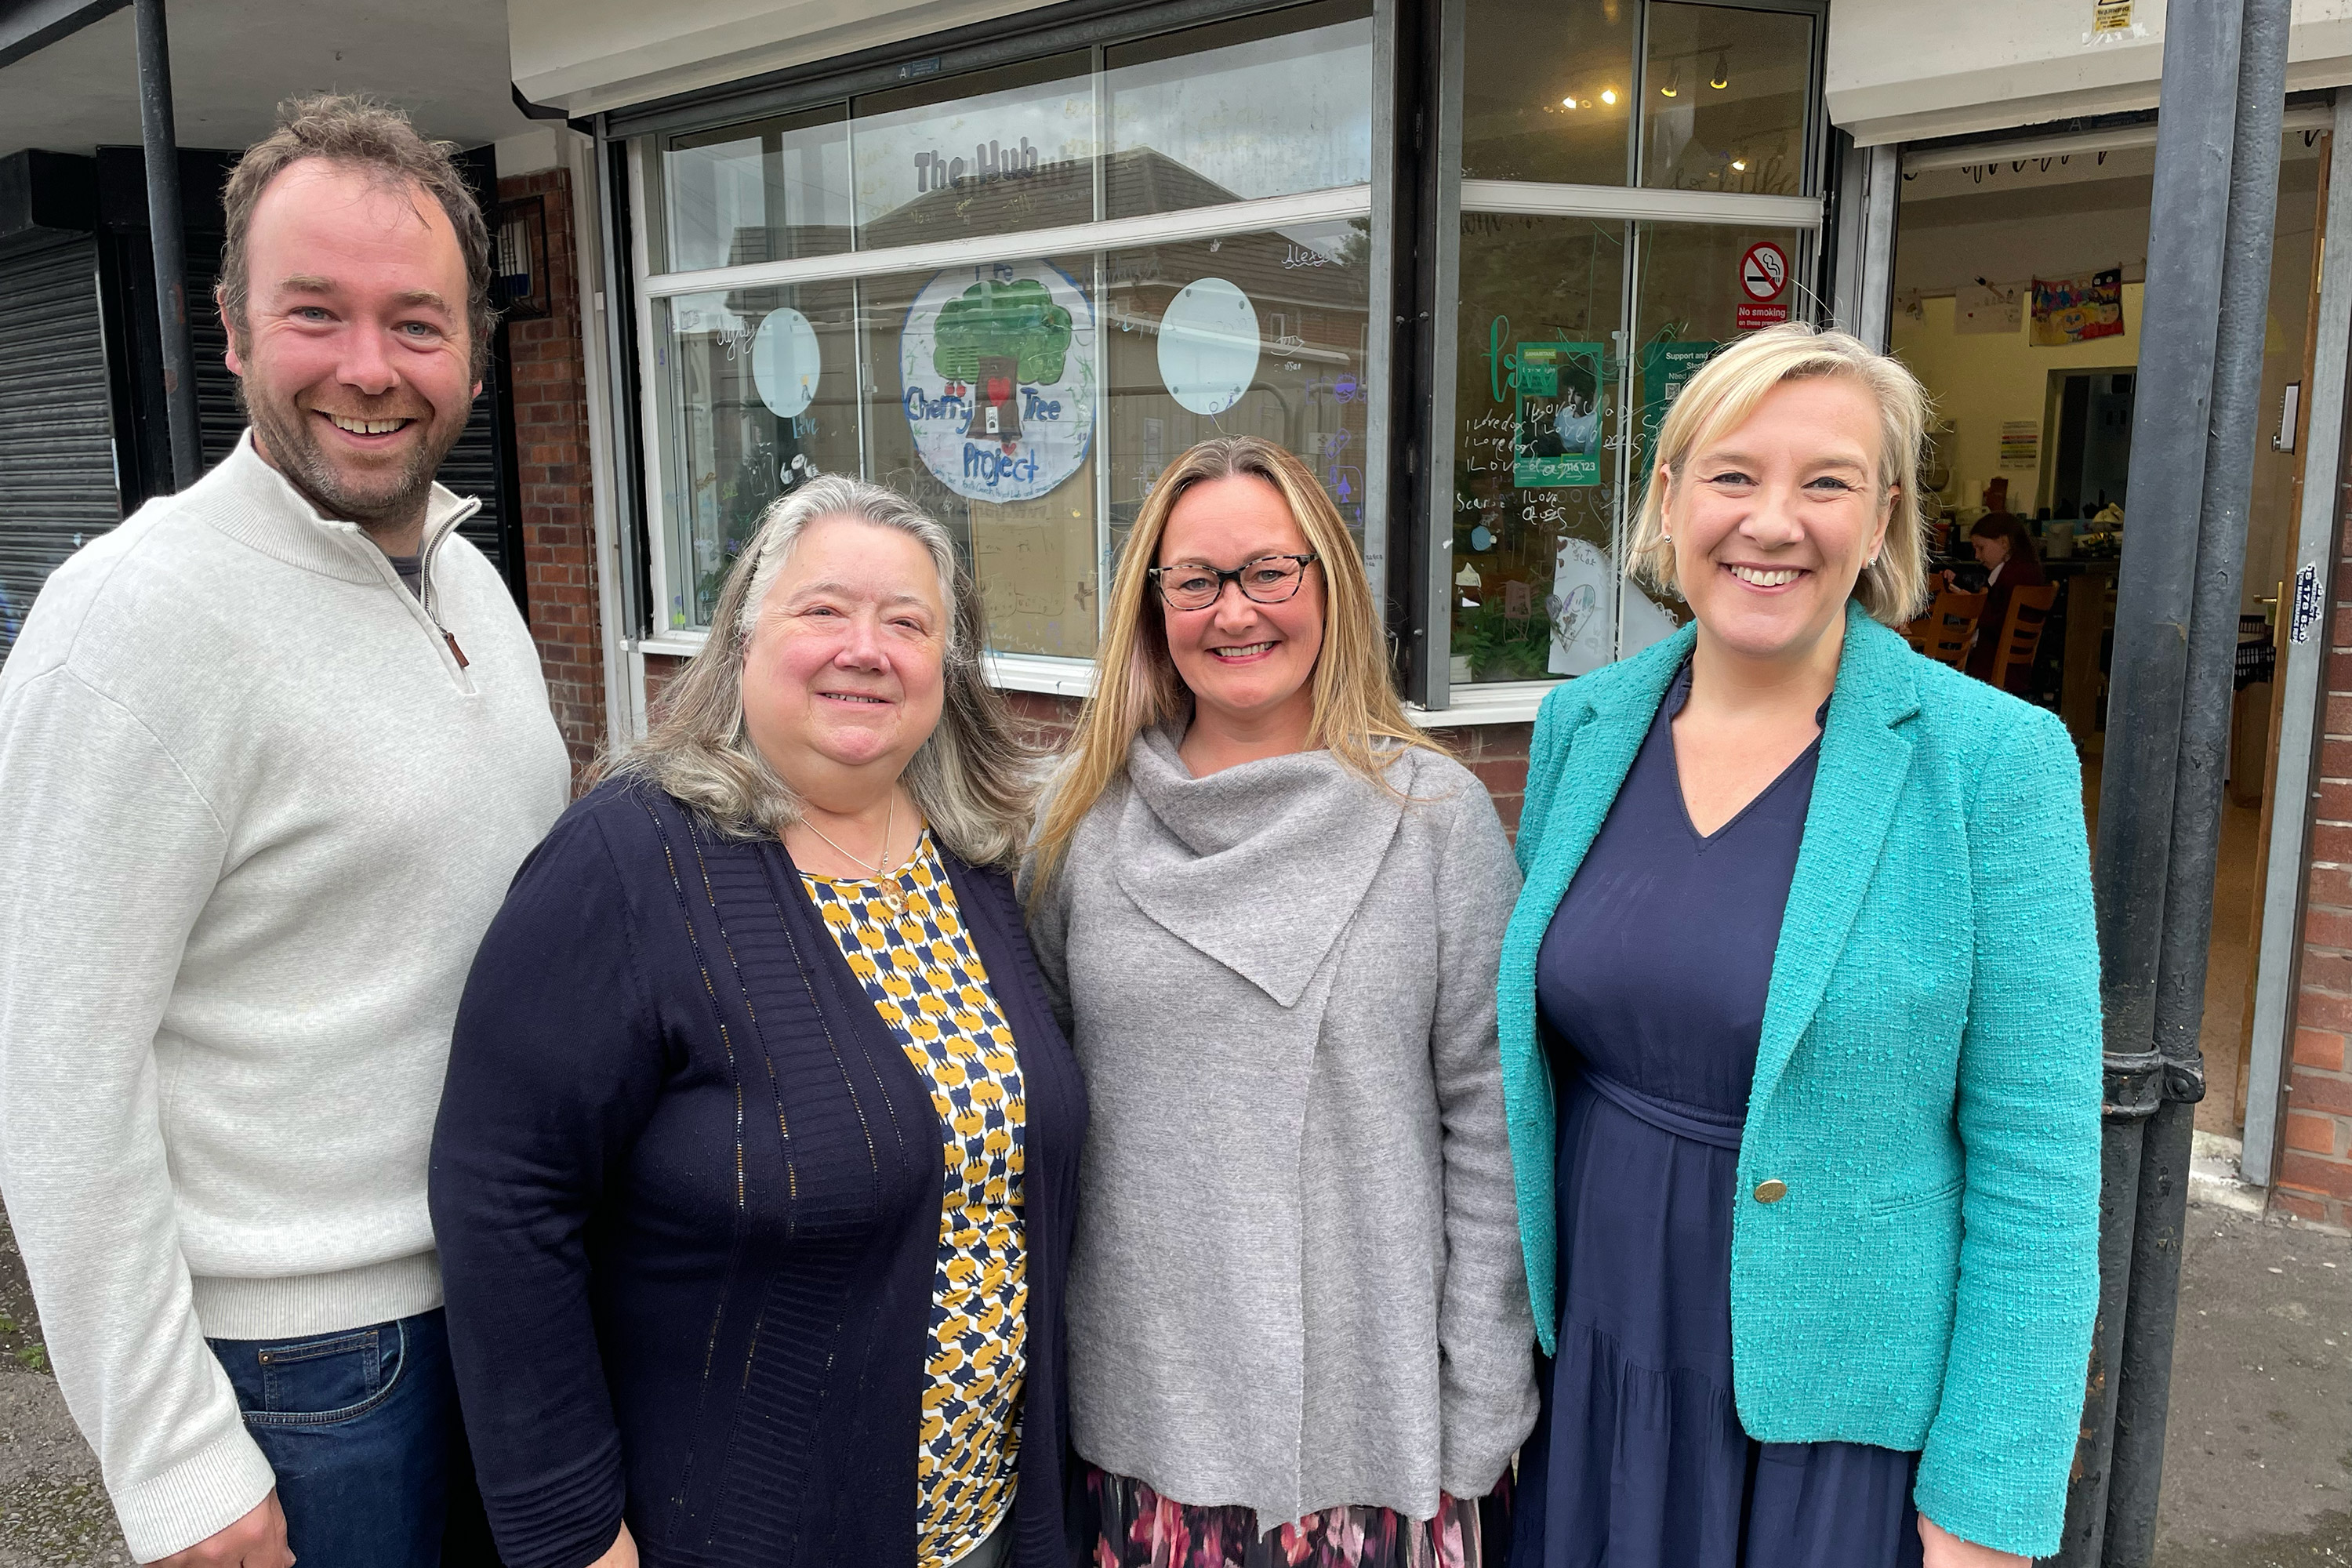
[975, 778]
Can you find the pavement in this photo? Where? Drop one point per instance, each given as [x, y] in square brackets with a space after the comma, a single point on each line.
[2257, 1459]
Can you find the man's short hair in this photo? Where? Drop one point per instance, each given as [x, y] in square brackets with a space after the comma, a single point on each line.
[376, 138]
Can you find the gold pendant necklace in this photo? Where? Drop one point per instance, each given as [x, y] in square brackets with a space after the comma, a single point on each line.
[893, 897]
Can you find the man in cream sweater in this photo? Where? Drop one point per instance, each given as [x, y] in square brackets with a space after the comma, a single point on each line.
[269, 752]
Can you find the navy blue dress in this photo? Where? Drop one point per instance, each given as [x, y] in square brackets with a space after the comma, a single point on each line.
[1650, 985]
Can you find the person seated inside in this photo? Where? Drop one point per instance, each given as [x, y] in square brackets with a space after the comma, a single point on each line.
[2005, 549]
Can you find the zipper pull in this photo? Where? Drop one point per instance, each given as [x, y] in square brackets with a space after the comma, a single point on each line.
[451, 639]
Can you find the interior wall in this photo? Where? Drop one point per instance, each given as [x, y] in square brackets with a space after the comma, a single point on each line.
[1981, 380]
[2017, 225]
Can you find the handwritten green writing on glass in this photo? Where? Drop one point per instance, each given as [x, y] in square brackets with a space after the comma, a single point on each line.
[1556, 415]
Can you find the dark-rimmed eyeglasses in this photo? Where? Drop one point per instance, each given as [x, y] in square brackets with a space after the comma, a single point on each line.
[1267, 579]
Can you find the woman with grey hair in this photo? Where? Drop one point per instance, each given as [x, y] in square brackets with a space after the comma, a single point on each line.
[754, 1176]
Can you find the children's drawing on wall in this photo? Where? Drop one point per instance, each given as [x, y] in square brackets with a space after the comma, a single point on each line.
[2077, 309]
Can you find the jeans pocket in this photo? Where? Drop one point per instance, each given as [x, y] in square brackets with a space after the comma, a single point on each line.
[321, 1381]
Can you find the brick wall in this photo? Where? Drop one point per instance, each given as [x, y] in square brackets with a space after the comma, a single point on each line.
[2315, 1161]
[1498, 754]
[559, 531]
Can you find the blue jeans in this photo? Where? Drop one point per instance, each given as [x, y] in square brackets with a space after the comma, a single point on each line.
[361, 1428]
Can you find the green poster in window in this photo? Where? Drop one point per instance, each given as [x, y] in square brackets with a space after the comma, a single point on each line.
[1667, 368]
[1556, 415]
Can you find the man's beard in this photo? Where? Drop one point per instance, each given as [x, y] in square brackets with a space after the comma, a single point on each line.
[388, 501]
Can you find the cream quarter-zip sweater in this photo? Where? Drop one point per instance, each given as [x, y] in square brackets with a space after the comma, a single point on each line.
[255, 812]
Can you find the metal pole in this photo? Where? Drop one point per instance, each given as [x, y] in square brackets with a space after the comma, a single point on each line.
[2147, 684]
[162, 157]
[2146, 1371]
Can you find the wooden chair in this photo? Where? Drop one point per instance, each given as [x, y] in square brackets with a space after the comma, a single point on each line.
[2021, 637]
[1945, 632]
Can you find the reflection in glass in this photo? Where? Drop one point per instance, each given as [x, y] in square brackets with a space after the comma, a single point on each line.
[1252, 335]
[984, 153]
[763, 192]
[758, 383]
[1726, 99]
[1536, 427]
[982, 410]
[1264, 105]
[1547, 89]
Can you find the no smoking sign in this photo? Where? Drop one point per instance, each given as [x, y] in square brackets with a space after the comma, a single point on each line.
[1763, 278]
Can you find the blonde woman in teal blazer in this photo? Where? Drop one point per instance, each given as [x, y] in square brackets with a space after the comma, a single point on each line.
[1804, 1087]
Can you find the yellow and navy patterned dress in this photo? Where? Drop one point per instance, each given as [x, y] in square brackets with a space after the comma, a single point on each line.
[921, 970]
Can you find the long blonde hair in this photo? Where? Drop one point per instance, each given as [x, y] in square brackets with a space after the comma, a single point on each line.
[1726, 390]
[973, 777]
[1136, 683]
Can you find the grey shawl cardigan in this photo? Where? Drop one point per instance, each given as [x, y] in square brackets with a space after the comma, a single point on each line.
[1296, 1281]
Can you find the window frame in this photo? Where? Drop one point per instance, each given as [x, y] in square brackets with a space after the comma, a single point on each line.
[634, 135]
[1414, 280]
[1430, 695]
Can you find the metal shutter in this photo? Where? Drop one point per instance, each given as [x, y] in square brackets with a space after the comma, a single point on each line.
[471, 469]
[57, 431]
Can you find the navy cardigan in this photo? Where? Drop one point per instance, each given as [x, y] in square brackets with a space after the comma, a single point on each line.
[687, 1191]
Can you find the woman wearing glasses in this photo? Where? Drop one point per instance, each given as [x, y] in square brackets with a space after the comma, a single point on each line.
[1269, 915]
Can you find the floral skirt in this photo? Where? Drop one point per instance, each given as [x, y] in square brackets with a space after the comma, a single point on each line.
[1131, 1526]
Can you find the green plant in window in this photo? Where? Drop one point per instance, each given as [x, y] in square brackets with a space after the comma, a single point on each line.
[1500, 647]
[1017, 320]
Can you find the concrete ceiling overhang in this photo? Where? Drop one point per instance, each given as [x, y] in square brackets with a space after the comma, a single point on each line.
[444, 61]
[589, 55]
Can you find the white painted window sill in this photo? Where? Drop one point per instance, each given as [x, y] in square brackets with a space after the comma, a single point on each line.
[1504, 702]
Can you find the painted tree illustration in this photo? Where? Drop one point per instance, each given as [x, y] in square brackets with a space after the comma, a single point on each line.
[991, 321]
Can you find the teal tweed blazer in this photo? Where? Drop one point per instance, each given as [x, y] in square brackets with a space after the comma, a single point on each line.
[1927, 1084]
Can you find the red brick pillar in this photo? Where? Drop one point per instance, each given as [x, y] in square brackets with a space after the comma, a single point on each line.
[558, 528]
[2315, 1161]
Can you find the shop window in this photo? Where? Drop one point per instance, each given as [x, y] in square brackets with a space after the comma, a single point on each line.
[989, 152]
[1724, 97]
[883, 317]
[766, 192]
[1263, 106]
[1548, 89]
[1252, 334]
[1578, 314]
[983, 411]
[1554, 424]
[754, 380]
[1552, 93]
[1536, 451]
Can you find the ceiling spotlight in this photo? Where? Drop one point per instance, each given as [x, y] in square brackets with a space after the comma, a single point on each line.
[1674, 83]
[1740, 164]
[1722, 77]
[1608, 95]
[1568, 103]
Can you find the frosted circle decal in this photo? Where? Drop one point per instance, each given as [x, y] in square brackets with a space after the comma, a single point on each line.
[784, 363]
[1208, 345]
[998, 364]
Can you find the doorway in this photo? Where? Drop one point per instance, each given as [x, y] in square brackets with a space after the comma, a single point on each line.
[2092, 412]
[2018, 299]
